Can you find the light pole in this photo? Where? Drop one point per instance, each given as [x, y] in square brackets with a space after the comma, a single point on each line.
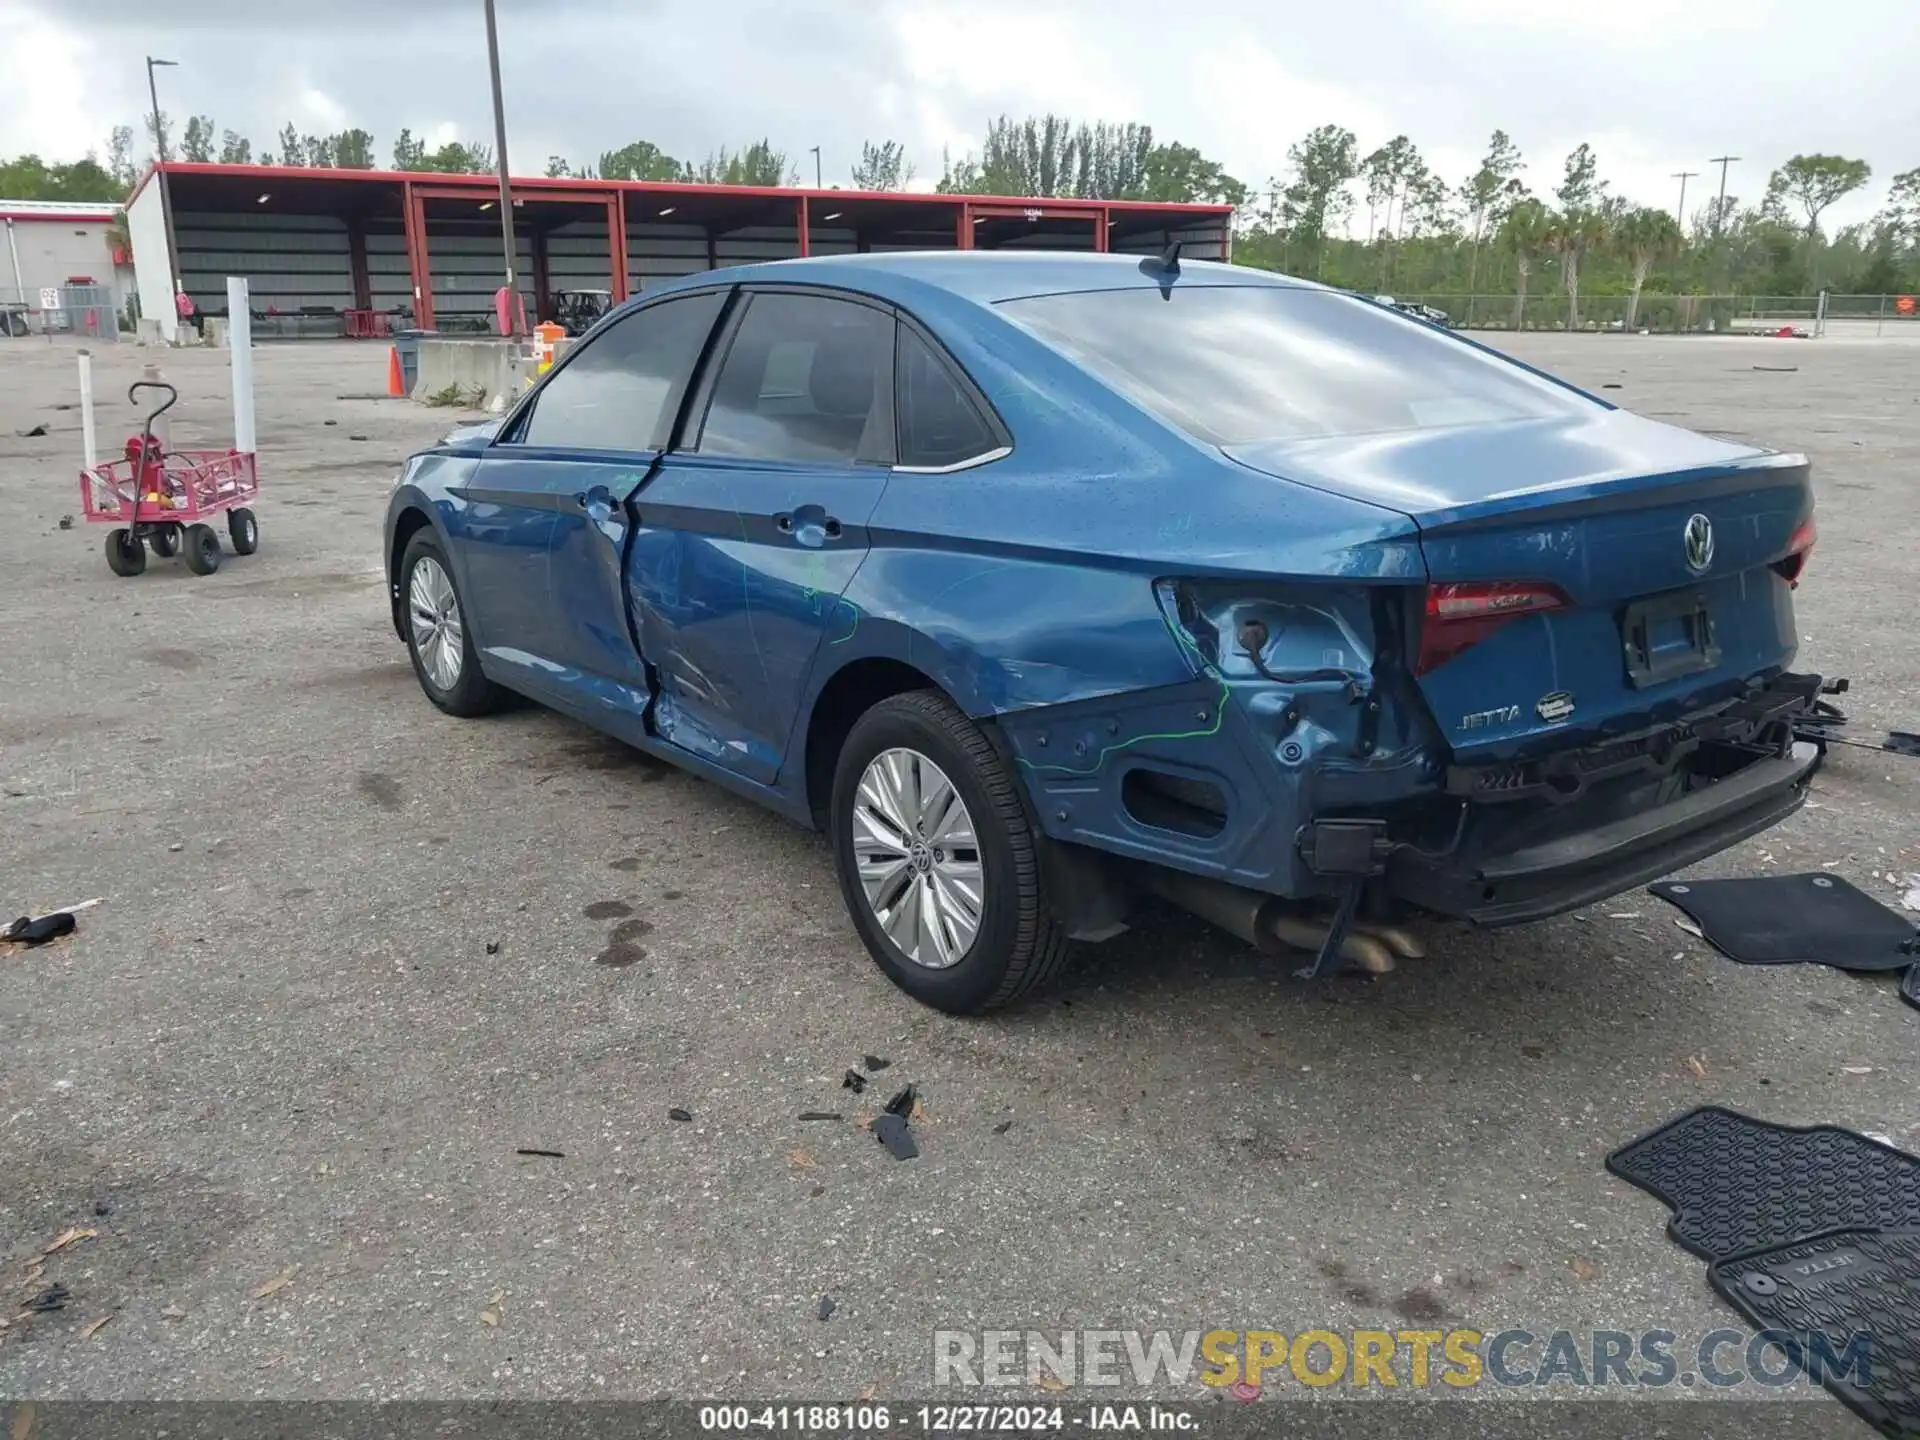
[1681, 214]
[160, 173]
[816, 169]
[1719, 209]
[511, 319]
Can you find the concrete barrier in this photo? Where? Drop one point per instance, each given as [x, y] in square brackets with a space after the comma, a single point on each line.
[494, 370]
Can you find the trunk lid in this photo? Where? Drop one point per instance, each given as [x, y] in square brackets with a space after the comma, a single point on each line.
[1600, 508]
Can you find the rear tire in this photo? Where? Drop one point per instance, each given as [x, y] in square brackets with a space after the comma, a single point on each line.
[438, 641]
[244, 531]
[126, 556]
[164, 541]
[200, 548]
[920, 740]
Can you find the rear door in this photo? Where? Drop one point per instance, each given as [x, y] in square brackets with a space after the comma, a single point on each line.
[576, 457]
[750, 532]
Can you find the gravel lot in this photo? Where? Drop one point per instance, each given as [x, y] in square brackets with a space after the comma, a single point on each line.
[353, 954]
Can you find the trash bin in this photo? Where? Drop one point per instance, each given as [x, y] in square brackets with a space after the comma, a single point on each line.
[406, 344]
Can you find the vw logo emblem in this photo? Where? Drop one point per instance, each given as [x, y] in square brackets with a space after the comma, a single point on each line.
[1698, 537]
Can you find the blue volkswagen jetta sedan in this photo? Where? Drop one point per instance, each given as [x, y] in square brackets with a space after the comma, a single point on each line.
[1040, 581]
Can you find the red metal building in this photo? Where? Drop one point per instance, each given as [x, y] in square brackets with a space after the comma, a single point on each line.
[317, 244]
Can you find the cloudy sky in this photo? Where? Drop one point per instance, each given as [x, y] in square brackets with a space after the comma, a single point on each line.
[1656, 86]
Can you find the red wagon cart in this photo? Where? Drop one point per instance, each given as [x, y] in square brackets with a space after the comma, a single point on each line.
[161, 499]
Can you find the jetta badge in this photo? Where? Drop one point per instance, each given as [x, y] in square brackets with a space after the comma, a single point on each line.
[1698, 537]
[1555, 707]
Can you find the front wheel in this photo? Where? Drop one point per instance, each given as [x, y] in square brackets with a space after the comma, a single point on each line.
[126, 556]
[165, 540]
[937, 859]
[443, 656]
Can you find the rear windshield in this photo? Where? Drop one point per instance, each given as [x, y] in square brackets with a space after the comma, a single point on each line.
[1235, 364]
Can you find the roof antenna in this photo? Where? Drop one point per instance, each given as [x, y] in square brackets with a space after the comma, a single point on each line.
[1170, 258]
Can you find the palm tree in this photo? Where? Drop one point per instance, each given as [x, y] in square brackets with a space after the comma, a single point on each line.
[1648, 236]
[1525, 232]
[1571, 235]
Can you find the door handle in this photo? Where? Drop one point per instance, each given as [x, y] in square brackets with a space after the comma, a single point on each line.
[832, 527]
[784, 524]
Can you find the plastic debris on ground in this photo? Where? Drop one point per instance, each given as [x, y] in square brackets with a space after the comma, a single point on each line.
[683, 1116]
[896, 1134]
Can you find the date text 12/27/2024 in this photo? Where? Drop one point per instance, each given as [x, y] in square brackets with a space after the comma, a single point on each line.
[875, 1418]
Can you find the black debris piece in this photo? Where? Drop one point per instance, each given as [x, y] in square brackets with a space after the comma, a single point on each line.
[543, 1154]
[896, 1134]
[356, 437]
[902, 1101]
[876, 1063]
[1786, 919]
[819, 1115]
[853, 1080]
[683, 1116]
[1003, 1127]
[493, 947]
[1735, 1183]
[329, 422]
[1834, 1287]
[1610, 385]
[101, 1207]
[32, 432]
[30, 931]
[54, 1297]
[1779, 369]
[1903, 742]
[66, 522]
[1910, 986]
[827, 1307]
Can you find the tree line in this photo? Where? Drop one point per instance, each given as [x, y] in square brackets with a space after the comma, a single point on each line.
[1486, 232]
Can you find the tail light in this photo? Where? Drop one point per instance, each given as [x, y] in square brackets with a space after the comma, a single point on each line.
[1461, 614]
[1790, 566]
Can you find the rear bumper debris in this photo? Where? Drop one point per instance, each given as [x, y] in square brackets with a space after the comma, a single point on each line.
[1564, 871]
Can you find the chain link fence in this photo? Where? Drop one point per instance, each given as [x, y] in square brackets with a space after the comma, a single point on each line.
[1663, 314]
[86, 311]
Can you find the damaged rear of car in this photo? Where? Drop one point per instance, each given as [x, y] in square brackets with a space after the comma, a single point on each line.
[1585, 685]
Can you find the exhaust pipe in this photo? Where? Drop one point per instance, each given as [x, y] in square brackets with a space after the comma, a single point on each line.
[1266, 923]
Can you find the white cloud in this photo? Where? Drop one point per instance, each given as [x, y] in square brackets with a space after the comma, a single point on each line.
[47, 110]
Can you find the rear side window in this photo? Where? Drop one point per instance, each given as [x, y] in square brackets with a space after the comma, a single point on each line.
[939, 423]
[807, 378]
[1235, 364]
[618, 393]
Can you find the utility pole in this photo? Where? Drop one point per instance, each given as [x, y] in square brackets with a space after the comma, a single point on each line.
[1719, 209]
[160, 176]
[1681, 214]
[512, 315]
[816, 169]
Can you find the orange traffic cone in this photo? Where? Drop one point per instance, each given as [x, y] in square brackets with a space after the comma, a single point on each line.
[396, 382]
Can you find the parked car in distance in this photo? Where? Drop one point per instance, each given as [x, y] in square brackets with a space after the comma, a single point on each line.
[1039, 581]
[1432, 314]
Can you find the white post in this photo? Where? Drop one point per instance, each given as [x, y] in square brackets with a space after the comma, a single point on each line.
[86, 411]
[240, 357]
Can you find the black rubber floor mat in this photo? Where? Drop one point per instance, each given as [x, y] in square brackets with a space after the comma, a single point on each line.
[1792, 919]
[1846, 1307]
[1736, 1184]
[1910, 987]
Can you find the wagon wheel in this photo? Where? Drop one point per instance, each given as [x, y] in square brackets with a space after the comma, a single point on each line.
[165, 540]
[125, 554]
[243, 530]
[202, 549]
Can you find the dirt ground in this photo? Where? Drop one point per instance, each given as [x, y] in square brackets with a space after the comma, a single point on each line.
[352, 955]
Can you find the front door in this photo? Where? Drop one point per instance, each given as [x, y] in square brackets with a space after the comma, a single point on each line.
[749, 534]
[592, 436]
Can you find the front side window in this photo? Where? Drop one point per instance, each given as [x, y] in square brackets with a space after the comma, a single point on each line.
[1231, 365]
[938, 421]
[618, 393]
[807, 378]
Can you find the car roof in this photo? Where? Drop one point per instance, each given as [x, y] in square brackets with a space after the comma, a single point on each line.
[983, 276]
